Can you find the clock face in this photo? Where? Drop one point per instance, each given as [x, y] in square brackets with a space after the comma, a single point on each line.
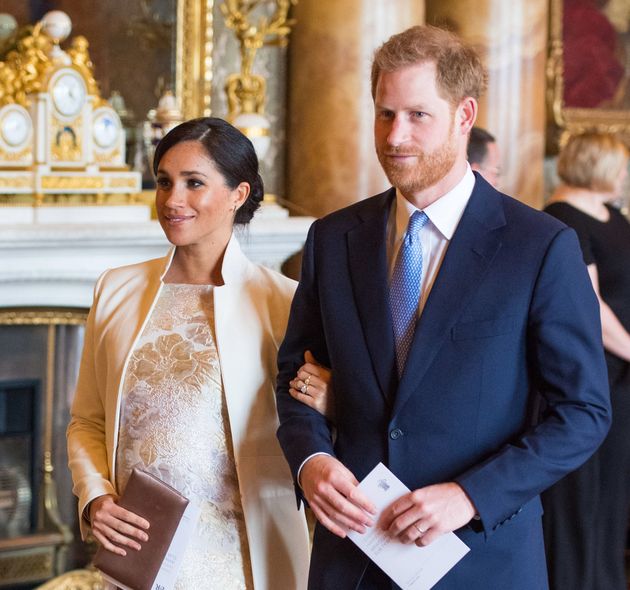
[69, 94]
[106, 127]
[15, 126]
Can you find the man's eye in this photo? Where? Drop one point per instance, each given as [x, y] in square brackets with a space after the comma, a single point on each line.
[418, 114]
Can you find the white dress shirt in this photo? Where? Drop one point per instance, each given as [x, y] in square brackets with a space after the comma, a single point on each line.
[444, 215]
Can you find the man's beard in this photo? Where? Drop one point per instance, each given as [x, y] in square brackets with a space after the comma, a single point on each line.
[428, 169]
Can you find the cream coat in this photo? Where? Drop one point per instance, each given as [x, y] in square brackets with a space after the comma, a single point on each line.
[251, 312]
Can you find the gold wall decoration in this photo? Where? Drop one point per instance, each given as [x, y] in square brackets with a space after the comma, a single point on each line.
[246, 90]
[611, 116]
[67, 142]
[106, 158]
[16, 156]
[115, 182]
[72, 182]
[16, 181]
[193, 75]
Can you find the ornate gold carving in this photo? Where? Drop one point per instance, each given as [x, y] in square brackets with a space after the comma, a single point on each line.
[17, 182]
[66, 141]
[72, 182]
[75, 580]
[29, 317]
[37, 564]
[193, 74]
[8, 156]
[107, 157]
[80, 57]
[246, 90]
[26, 67]
[122, 182]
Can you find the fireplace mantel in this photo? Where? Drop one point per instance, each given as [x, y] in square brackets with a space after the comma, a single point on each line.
[55, 265]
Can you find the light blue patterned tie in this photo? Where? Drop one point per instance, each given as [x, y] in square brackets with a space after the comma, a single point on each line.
[404, 289]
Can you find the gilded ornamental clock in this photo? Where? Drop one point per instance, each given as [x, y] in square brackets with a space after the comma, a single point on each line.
[67, 108]
[57, 134]
[16, 135]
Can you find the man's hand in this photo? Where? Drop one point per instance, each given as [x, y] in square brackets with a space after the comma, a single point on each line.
[423, 515]
[332, 493]
[113, 524]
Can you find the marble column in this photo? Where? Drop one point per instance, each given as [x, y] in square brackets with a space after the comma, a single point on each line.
[331, 161]
[511, 37]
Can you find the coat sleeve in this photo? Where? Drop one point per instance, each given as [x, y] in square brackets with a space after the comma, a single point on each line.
[87, 453]
[567, 368]
[302, 431]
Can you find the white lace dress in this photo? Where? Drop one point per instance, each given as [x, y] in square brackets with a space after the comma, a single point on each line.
[174, 423]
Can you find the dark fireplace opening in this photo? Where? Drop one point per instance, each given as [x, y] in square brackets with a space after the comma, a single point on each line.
[20, 440]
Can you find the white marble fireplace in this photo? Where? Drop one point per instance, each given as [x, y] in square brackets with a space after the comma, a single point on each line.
[56, 265]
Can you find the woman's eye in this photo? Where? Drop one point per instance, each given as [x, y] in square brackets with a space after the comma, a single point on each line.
[192, 183]
[162, 182]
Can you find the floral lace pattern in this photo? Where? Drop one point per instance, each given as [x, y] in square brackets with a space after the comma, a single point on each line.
[174, 423]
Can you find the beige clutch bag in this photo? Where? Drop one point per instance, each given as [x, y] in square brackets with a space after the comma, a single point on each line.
[163, 506]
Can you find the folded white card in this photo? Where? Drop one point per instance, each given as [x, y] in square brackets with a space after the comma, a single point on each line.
[409, 566]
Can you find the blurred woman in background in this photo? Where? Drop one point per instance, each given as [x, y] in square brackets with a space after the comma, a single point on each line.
[586, 513]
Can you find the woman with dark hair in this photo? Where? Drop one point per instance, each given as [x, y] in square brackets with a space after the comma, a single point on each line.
[177, 377]
[586, 513]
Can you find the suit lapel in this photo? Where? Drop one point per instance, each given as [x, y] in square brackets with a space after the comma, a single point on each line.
[367, 258]
[473, 246]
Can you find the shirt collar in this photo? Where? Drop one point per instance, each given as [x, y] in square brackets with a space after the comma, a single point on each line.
[444, 213]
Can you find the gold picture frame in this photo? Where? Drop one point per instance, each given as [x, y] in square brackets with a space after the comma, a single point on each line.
[568, 120]
[193, 69]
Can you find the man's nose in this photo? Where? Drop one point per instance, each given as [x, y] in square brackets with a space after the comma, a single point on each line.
[398, 131]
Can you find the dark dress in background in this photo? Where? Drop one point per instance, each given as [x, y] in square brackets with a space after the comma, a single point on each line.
[586, 513]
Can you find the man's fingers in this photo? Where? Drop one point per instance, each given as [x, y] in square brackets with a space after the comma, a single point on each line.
[428, 537]
[399, 507]
[336, 500]
[345, 514]
[326, 521]
[357, 497]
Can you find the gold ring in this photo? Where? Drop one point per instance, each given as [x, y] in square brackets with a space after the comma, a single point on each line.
[307, 380]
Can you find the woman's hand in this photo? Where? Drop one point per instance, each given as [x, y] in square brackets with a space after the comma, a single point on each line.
[312, 386]
[113, 524]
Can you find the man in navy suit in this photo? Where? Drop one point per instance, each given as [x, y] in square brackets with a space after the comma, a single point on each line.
[504, 321]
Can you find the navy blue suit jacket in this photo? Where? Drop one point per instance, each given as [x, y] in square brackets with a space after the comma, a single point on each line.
[511, 319]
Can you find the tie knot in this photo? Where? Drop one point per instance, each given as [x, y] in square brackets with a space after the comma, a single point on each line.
[416, 222]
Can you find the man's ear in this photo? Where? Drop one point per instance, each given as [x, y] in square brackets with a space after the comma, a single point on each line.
[466, 114]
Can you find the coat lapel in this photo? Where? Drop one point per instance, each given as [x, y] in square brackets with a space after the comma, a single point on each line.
[367, 254]
[473, 246]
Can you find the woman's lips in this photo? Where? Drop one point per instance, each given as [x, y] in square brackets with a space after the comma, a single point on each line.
[178, 218]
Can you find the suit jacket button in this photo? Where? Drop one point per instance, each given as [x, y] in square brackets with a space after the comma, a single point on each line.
[396, 433]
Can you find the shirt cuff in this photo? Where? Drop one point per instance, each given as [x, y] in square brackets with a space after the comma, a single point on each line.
[305, 462]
